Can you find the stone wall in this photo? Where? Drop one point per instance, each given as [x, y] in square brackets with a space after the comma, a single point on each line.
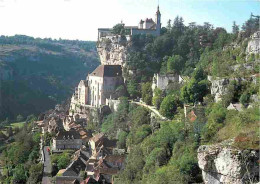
[162, 81]
[221, 163]
[113, 104]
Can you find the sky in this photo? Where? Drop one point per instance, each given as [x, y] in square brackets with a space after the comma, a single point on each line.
[80, 19]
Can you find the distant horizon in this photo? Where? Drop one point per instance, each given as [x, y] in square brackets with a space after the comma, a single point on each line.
[80, 20]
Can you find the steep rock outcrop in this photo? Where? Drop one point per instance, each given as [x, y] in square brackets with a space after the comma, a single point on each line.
[254, 44]
[113, 50]
[219, 86]
[221, 163]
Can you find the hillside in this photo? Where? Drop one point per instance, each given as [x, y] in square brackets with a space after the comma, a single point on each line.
[214, 99]
[38, 73]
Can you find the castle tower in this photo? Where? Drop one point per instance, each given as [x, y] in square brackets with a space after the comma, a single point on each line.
[158, 20]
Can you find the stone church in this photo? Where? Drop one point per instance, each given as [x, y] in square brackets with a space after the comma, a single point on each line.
[100, 85]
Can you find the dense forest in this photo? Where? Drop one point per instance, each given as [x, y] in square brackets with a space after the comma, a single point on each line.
[166, 151]
[36, 74]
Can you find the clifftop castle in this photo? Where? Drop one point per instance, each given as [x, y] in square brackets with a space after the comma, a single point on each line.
[103, 82]
[146, 26]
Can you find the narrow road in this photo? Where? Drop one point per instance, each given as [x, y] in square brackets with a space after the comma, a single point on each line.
[47, 166]
[152, 108]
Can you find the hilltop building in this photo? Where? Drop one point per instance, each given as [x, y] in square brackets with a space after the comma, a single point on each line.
[100, 85]
[146, 26]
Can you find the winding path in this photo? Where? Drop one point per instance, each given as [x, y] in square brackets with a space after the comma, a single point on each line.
[152, 108]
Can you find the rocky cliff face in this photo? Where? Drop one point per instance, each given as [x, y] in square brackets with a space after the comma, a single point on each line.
[219, 86]
[221, 163]
[254, 43]
[113, 50]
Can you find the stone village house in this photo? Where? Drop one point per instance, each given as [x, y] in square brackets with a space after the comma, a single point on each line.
[67, 140]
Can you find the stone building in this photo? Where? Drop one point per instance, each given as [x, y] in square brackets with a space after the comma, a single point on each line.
[147, 26]
[99, 85]
[162, 81]
[66, 140]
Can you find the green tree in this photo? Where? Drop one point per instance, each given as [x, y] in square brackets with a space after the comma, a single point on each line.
[19, 174]
[157, 98]
[175, 64]
[244, 98]
[63, 161]
[121, 143]
[235, 28]
[169, 106]
[35, 174]
[147, 93]
[196, 88]
[132, 89]
[119, 29]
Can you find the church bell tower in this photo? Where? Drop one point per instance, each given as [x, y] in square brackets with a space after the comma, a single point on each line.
[158, 20]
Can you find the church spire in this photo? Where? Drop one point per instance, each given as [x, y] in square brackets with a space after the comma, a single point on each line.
[158, 9]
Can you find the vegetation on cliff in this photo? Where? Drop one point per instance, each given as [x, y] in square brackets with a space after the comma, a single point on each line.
[166, 152]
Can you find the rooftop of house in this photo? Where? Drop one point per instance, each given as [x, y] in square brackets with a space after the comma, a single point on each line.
[107, 71]
[109, 143]
[97, 137]
[237, 107]
[74, 168]
[115, 158]
[71, 134]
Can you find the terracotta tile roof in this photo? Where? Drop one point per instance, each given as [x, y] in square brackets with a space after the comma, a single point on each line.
[192, 116]
[107, 71]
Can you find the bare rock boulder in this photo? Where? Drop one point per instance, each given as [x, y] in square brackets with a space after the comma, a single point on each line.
[221, 163]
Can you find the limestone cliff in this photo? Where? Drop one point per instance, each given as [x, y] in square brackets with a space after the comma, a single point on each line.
[221, 163]
[113, 50]
[219, 86]
[254, 43]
